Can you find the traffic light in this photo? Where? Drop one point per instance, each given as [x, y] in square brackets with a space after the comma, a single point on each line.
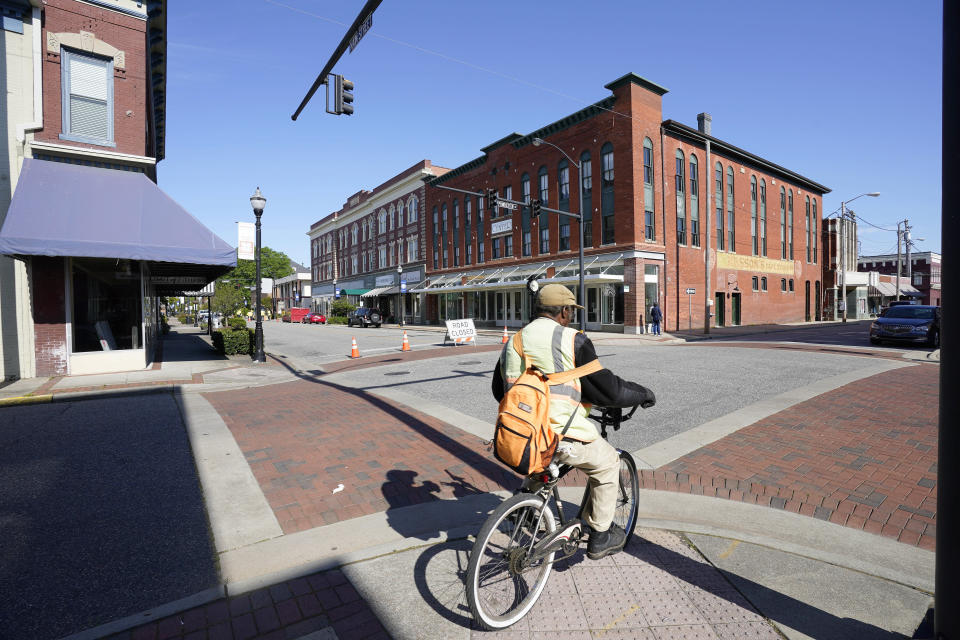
[492, 200]
[343, 96]
[535, 206]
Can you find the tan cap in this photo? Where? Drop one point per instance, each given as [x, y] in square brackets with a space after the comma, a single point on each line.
[557, 295]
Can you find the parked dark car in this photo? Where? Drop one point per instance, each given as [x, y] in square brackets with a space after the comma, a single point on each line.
[364, 317]
[907, 323]
[314, 318]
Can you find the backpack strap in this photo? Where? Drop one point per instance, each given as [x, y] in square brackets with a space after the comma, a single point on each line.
[562, 377]
[518, 347]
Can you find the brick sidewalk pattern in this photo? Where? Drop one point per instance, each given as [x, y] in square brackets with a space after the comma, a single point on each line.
[285, 611]
[863, 456]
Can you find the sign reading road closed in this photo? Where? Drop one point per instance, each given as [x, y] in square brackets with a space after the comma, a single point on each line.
[461, 331]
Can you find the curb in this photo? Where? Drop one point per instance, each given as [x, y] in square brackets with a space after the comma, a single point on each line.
[73, 396]
[25, 400]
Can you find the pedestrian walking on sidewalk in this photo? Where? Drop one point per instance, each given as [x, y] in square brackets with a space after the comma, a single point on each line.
[656, 316]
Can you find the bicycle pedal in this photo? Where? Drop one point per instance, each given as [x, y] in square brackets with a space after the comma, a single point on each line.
[560, 538]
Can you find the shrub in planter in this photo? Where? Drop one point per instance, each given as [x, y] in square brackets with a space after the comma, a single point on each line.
[229, 342]
[237, 324]
[336, 320]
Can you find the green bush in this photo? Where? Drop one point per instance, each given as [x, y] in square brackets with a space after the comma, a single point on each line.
[237, 324]
[341, 309]
[336, 320]
[229, 342]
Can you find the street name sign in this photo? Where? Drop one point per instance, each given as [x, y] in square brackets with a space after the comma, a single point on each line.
[506, 205]
[691, 291]
[361, 31]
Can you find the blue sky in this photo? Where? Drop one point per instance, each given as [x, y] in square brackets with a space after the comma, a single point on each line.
[847, 94]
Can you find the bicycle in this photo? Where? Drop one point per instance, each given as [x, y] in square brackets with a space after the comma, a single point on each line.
[518, 544]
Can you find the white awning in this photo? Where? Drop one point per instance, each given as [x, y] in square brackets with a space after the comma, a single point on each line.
[379, 291]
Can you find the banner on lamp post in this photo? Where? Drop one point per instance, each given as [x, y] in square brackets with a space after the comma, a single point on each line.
[246, 240]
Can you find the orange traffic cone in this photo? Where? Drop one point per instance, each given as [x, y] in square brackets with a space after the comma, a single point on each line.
[406, 343]
[506, 338]
[354, 352]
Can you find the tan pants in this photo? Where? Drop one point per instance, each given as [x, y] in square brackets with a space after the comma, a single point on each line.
[601, 462]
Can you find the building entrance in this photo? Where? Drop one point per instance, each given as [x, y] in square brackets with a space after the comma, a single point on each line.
[806, 307]
[718, 309]
[735, 309]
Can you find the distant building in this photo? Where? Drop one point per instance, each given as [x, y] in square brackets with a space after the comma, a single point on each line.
[373, 247]
[923, 276]
[292, 290]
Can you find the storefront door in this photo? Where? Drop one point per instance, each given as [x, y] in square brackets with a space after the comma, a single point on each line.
[718, 309]
[735, 309]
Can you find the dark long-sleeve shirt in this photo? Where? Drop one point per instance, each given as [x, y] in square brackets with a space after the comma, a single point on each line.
[603, 388]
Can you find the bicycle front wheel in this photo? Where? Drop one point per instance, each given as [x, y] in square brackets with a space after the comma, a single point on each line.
[628, 494]
[502, 584]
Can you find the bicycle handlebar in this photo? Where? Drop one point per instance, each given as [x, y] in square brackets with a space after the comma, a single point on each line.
[611, 416]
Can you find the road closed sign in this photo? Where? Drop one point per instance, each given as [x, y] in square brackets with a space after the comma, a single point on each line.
[461, 331]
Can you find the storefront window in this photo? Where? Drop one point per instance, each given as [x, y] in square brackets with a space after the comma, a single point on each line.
[106, 305]
[518, 305]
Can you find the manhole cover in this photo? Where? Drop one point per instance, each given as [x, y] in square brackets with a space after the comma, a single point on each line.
[471, 362]
[397, 373]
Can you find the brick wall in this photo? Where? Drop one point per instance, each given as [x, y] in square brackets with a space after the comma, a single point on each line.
[49, 316]
[130, 88]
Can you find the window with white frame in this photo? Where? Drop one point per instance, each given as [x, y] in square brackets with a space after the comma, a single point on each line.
[382, 256]
[400, 213]
[87, 94]
[382, 222]
[412, 249]
[412, 209]
[355, 232]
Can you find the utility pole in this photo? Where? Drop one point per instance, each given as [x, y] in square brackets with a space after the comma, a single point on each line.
[898, 259]
[843, 262]
[906, 246]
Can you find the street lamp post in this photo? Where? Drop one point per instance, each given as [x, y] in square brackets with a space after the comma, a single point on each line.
[399, 290]
[583, 293]
[843, 251]
[257, 201]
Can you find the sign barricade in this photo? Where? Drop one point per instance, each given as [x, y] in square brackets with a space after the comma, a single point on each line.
[460, 331]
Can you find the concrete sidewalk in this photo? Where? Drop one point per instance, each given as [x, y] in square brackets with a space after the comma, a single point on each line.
[300, 557]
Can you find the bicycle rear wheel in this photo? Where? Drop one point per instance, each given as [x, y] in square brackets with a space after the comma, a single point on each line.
[502, 586]
[628, 494]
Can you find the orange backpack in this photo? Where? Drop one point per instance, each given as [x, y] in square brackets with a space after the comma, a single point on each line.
[523, 439]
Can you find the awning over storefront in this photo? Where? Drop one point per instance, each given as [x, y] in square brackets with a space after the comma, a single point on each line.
[71, 210]
[353, 292]
[373, 293]
[890, 289]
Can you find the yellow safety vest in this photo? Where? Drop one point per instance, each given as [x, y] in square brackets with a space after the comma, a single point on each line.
[550, 347]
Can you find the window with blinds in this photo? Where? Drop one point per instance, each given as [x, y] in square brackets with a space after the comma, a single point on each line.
[87, 98]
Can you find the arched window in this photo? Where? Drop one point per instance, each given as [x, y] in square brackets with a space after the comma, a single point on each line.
[586, 207]
[679, 186]
[763, 217]
[443, 231]
[456, 233]
[393, 217]
[467, 229]
[718, 197]
[763, 283]
[436, 238]
[525, 214]
[563, 203]
[814, 227]
[753, 214]
[731, 234]
[790, 224]
[806, 217]
[355, 233]
[694, 202]
[783, 223]
[400, 214]
[382, 222]
[413, 209]
[543, 196]
[649, 228]
[607, 229]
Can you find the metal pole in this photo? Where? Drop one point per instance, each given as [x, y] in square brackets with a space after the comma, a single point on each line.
[843, 261]
[258, 331]
[583, 292]
[897, 294]
[906, 247]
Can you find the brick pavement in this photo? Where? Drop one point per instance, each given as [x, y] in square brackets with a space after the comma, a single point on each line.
[284, 611]
[863, 456]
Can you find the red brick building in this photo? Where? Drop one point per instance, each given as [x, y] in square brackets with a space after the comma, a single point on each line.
[668, 209]
[98, 242]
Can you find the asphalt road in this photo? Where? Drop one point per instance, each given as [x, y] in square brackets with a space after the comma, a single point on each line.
[101, 514]
[693, 384]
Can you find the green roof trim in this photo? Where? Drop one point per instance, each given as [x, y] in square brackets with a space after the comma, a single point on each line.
[694, 135]
[353, 292]
[502, 141]
[566, 123]
[637, 80]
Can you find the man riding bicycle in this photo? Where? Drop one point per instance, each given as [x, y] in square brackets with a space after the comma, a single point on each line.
[552, 346]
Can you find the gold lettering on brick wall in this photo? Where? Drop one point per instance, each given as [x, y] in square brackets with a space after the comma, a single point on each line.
[753, 263]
